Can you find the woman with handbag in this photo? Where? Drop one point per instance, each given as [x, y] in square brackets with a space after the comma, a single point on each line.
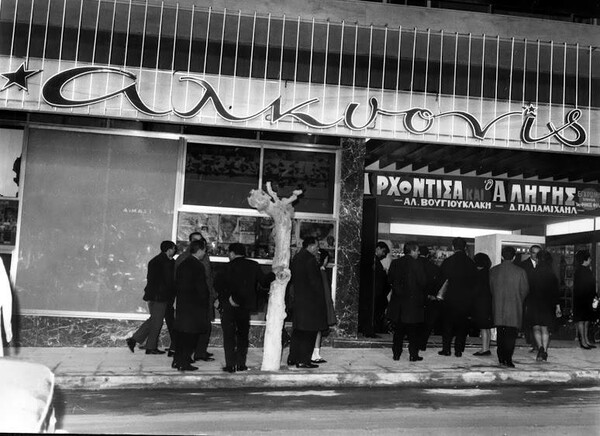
[584, 292]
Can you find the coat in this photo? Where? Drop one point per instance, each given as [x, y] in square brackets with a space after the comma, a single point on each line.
[409, 289]
[482, 305]
[460, 271]
[509, 287]
[584, 291]
[208, 274]
[239, 281]
[160, 279]
[309, 310]
[542, 298]
[192, 297]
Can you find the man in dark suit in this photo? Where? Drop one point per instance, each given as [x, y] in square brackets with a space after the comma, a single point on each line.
[529, 265]
[237, 289]
[309, 309]
[201, 352]
[381, 289]
[460, 272]
[158, 292]
[192, 300]
[407, 305]
[432, 304]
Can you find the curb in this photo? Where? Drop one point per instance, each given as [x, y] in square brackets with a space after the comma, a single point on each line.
[272, 380]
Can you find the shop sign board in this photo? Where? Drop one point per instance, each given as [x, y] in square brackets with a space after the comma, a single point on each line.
[483, 194]
[103, 90]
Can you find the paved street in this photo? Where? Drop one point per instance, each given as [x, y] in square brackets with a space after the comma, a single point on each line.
[524, 410]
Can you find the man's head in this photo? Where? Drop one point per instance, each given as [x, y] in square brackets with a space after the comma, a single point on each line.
[381, 250]
[311, 244]
[508, 253]
[236, 250]
[169, 248]
[195, 236]
[198, 248]
[411, 248]
[534, 251]
[459, 244]
[424, 251]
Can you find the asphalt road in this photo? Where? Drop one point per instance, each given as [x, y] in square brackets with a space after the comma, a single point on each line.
[551, 410]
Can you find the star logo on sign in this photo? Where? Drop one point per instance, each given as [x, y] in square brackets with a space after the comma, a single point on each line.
[19, 77]
[530, 110]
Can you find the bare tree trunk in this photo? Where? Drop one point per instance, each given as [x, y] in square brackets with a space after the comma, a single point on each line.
[281, 211]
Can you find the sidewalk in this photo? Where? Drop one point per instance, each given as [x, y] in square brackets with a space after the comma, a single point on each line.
[118, 368]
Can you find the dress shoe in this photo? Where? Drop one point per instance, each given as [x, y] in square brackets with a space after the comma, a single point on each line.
[396, 356]
[444, 353]
[209, 354]
[306, 365]
[242, 368]
[131, 344]
[155, 351]
[482, 353]
[509, 364]
[458, 353]
[174, 365]
[187, 367]
[540, 355]
[170, 353]
[205, 358]
[229, 369]
[291, 362]
[591, 346]
[415, 358]
[319, 360]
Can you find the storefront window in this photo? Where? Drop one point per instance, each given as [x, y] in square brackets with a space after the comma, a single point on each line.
[312, 172]
[217, 175]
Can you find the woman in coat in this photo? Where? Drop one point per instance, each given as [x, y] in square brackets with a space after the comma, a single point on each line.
[482, 306]
[331, 318]
[192, 301]
[542, 303]
[584, 291]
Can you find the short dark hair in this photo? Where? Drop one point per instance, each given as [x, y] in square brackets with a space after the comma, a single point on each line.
[167, 245]
[459, 244]
[195, 246]
[581, 256]
[535, 246]
[309, 240]
[508, 252]
[424, 250]
[482, 260]
[545, 258]
[191, 237]
[238, 249]
[410, 246]
[383, 246]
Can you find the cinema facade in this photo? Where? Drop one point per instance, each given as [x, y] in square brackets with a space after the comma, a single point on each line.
[123, 124]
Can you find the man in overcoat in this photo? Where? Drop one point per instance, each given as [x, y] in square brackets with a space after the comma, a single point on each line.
[309, 309]
[530, 266]
[158, 292]
[237, 287]
[191, 305]
[407, 305]
[460, 272]
[509, 287]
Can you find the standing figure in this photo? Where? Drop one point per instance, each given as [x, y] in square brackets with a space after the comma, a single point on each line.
[509, 287]
[407, 305]
[201, 352]
[459, 271]
[191, 305]
[5, 307]
[237, 289]
[529, 265]
[432, 304]
[381, 288]
[584, 291]
[309, 310]
[158, 293]
[331, 318]
[482, 308]
[542, 303]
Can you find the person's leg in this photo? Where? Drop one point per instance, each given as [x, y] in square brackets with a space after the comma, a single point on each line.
[398, 340]
[545, 338]
[586, 328]
[413, 341]
[202, 345]
[486, 336]
[461, 330]
[228, 328]
[306, 343]
[295, 341]
[242, 325]
[447, 332]
[157, 315]
[170, 321]
[316, 355]
[511, 340]
[501, 344]
[183, 353]
[141, 333]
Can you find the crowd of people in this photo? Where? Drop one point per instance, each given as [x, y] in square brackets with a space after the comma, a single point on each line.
[511, 297]
[184, 292]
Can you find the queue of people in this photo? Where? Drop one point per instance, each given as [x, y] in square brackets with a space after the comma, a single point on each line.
[511, 297]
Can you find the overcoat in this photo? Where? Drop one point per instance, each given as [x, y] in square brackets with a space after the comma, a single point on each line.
[239, 281]
[159, 285]
[309, 311]
[192, 300]
[460, 271]
[509, 287]
[584, 291]
[542, 298]
[409, 289]
[482, 305]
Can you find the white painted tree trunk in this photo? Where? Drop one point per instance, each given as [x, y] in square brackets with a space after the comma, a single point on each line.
[281, 211]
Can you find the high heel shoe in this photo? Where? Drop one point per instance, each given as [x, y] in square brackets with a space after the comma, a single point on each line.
[545, 355]
[540, 354]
